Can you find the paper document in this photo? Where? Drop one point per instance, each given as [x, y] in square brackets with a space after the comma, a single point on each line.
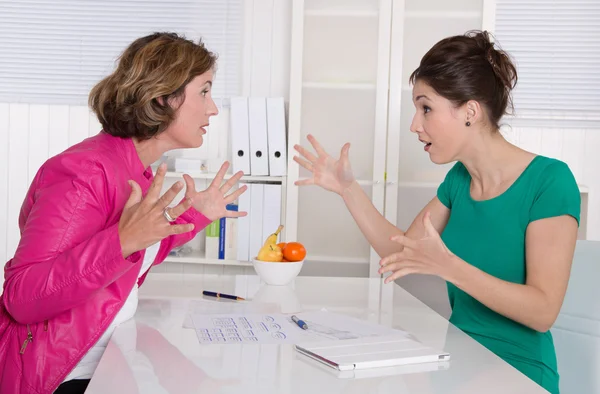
[279, 328]
[219, 307]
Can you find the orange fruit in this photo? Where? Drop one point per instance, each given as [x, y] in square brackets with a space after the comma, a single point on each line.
[294, 251]
[282, 245]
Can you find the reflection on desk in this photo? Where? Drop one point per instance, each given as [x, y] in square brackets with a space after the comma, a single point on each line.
[154, 353]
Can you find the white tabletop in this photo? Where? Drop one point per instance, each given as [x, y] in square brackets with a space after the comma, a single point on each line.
[153, 353]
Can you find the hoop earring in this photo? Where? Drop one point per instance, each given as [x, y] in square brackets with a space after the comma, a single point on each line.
[468, 124]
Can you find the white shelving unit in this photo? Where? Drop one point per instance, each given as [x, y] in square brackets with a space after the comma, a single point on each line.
[338, 92]
[211, 176]
[198, 258]
[350, 65]
[197, 255]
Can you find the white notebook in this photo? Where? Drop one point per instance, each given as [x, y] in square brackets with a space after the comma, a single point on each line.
[371, 352]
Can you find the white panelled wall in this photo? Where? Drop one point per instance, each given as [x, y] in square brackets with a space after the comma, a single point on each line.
[579, 149]
[29, 135]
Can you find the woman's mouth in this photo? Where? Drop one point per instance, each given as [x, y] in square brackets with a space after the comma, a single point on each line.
[427, 145]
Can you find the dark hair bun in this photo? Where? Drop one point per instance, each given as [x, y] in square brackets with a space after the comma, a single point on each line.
[470, 67]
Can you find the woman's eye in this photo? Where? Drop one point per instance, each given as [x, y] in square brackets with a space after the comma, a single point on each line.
[426, 109]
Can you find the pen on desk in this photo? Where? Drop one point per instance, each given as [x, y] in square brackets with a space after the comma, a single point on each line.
[221, 295]
[299, 322]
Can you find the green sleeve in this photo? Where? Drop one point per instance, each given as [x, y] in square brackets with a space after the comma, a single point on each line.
[557, 195]
[447, 190]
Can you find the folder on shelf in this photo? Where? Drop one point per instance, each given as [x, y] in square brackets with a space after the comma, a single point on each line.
[240, 135]
[257, 126]
[227, 236]
[243, 225]
[256, 219]
[212, 239]
[276, 136]
[271, 209]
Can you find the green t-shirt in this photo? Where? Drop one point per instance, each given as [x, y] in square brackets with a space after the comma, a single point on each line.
[490, 235]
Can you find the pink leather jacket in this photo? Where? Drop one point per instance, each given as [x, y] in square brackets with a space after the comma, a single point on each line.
[68, 278]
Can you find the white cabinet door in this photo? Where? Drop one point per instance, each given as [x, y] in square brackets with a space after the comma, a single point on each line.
[338, 93]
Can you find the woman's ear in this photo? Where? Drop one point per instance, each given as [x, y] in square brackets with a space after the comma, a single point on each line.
[474, 111]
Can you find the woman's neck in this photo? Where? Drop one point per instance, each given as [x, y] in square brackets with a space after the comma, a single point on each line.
[151, 150]
[494, 163]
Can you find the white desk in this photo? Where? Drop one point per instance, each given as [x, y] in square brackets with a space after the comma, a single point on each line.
[154, 354]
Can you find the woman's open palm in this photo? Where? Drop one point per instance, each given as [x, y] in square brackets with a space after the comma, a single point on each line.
[327, 172]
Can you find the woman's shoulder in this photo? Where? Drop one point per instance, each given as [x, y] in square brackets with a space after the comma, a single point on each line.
[545, 168]
[87, 161]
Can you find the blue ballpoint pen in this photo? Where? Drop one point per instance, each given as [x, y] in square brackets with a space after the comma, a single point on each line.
[299, 322]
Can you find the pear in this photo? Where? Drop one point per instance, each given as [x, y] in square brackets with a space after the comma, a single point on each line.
[271, 253]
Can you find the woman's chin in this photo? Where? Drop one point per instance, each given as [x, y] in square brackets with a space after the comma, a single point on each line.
[196, 142]
[437, 159]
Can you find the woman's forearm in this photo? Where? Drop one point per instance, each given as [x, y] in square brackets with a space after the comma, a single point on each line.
[376, 228]
[524, 304]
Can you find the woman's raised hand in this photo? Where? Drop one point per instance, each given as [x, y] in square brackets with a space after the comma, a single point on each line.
[213, 201]
[144, 222]
[331, 174]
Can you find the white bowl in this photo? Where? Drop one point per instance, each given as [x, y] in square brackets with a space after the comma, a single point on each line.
[277, 274]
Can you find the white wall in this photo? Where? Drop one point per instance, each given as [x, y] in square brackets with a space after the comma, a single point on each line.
[29, 135]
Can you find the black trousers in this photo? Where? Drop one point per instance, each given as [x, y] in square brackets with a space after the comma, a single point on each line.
[75, 386]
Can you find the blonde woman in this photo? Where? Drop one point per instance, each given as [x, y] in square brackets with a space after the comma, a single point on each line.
[94, 222]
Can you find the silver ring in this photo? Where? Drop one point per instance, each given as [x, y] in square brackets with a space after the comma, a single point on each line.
[167, 216]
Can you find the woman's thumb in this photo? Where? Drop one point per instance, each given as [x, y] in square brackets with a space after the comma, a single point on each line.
[345, 150]
[431, 231]
[135, 196]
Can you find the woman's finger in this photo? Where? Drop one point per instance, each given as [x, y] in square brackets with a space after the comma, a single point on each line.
[190, 185]
[179, 228]
[184, 205]
[305, 182]
[220, 175]
[304, 163]
[232, 181]
[393, 258]
[394, 266]
[405, 241]
[157, 184]
[307, 154]
[236, 214]
[315, 144]
[166, 199]
[233, 196]
[400, 273]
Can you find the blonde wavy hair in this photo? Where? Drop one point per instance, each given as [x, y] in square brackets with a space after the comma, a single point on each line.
[140, 98]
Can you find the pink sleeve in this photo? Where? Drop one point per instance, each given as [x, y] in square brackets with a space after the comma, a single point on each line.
[66, 253]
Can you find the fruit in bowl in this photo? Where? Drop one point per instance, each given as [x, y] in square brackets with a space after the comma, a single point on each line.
[279, 264]
[292, 251]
